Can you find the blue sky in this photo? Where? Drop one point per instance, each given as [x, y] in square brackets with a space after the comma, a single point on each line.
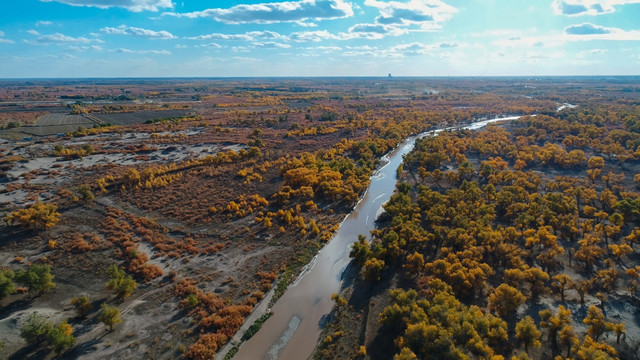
[215, 38]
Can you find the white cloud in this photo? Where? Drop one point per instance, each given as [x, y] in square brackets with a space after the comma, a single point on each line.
[410, 49]
[314, 36]
[212, 45]
[363, 47]
[131, 5]
[578, 32]
[587, 7]
[358, 31]
[43, 23]
[318, 50]
[586, 32]
[375, 31]
[137, 32]
[275, 12]
[270, 45]
[242, 58]
[219, 36]
[361, 53]
[85, 48]
[58, 38]
[266, 35]
[306, 24]
[248, 36]
[242, 49]
[586, 29]
[417, 48]
[155, 52]
[401, 50]
[447, 45]
[4, 41]
[367, 31]
[422, 12]
[325, 48]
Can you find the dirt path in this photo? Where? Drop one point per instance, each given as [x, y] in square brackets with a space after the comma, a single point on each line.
[132, 304]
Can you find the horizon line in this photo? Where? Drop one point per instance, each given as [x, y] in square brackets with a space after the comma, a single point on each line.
[389, 76]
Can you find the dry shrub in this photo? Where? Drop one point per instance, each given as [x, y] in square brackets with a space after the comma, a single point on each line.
[251, 301]
[266, 279]
[228, 320]
[149, 272]
[78, 244]
[265, 285]
[267, 276]
[206, 347]
[214, 248]
[209, 303]
[140, 230]
[139, 266]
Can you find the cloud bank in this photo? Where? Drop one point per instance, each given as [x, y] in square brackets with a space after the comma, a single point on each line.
[589, 31]
[586, 29]
[58, 38]
[137, 32]
[131, 5]
[587, 7]
[275, 12]
[155, 52]
[420, 12]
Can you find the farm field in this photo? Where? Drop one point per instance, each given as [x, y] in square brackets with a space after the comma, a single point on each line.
[52, 124]
[139, 117]
[181, 204]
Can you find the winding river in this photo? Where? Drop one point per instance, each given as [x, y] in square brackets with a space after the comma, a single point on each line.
[292, 331]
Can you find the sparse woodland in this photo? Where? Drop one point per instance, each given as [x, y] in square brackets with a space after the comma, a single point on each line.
[516, 241]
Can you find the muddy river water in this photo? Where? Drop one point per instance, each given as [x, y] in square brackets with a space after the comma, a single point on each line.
[292, 332]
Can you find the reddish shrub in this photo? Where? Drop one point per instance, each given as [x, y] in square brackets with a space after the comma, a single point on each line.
[206, 347]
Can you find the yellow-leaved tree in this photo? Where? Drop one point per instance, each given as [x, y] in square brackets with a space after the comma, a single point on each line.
[38, 215]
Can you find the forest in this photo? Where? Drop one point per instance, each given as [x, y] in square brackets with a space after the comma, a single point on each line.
[518, 241]
[157, 235]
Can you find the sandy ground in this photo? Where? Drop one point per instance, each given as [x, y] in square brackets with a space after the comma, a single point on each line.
[41, 168]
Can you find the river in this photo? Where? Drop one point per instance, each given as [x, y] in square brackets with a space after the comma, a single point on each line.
[291, 333]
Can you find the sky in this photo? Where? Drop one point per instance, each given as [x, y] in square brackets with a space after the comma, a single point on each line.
[251, 38]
